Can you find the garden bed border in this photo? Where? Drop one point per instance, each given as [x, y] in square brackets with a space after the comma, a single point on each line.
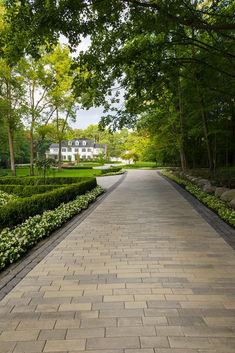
[15, 272]
[221, 227]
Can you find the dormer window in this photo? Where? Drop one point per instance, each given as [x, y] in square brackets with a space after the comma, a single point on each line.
[77, 143]
[84, 143]
[70, 143]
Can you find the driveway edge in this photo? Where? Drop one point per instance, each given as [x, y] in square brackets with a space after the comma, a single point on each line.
[221, 227]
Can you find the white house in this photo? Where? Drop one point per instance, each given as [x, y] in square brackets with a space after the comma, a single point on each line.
[87, 149]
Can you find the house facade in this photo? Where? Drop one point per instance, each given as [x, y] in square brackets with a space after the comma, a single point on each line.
[87, 149]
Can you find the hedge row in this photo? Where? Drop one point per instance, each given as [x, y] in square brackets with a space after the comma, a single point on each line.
[111, 170]
[40, 181]
[15, 242]
[17, 211]
[27, 190]
[77, 168]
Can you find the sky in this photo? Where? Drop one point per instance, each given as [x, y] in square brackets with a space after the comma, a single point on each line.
[93, 115]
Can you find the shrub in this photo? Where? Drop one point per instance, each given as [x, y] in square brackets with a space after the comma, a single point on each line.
[17, 211]
[6, 197]
[111, 170]
[40, 181]
[76, 167]
[220, 207]
[15, 242]
[27, 190]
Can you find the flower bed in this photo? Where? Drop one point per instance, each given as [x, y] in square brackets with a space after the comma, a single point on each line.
[220, 207]
[5, 198]
[21, 209]
[15, 242]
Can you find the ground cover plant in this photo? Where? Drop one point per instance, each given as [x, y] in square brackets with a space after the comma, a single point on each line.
[20, 209]
[15, 242]
[6, 197]
[222, 208]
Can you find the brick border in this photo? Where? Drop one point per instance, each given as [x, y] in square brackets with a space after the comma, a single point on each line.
[14, 273]
[221, 227]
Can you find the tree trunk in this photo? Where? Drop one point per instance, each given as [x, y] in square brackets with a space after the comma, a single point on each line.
[10, 130]
[60, 156]
[206, 131]
[31, 153]
[11, 148]
[182, 153]
[182, 159]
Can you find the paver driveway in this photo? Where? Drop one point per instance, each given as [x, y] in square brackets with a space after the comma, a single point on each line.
[143, 273]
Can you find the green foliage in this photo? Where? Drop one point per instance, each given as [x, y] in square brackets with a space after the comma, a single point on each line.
[77, 167]
[19, 210]
[27, 190]
[40, 181]
[43, 165]
[15, 242]
[217, 205]
[111, 170]
[6, 197]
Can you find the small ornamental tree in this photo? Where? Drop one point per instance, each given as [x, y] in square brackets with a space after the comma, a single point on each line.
[43, 165]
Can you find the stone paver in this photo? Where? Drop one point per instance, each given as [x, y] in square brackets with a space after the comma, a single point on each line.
[144, 273]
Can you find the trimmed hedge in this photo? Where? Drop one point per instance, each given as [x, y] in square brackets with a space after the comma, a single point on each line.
[111, 170]
[40, 181]
[18, 211]
[27, 190]
[76, 168]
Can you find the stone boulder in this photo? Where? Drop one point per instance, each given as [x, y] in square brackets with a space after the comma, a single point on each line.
[195, 179]
[202, 182]
[228, 195]
[219, 191]
[232, 203]
[209, 189]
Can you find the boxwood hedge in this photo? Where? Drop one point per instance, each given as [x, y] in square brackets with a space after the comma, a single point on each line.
[27, 190]
[111, 170]
[19, 210]
[40, 181]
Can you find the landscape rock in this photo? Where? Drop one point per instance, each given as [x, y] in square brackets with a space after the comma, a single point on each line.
[209, 189]
[219, 191]
[202, 182]
[195, 179]
[228, 195]
[232, 203]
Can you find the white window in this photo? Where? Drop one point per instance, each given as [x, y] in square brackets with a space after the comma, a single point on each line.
[89, 150]
[69, 149]
[83, 149]
[63, 149]
[76, 149]
[55, 149]
[84, 143]
[70, 143]
[77, 143]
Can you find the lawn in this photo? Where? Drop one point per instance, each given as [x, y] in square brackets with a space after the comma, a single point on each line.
[55, 173]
